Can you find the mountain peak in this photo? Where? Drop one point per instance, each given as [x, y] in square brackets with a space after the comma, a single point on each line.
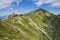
[37, 10]
[36, 26]
[40, 9]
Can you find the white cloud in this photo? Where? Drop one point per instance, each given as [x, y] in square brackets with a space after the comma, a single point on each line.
[52, 3]
[39, 3]
[7, 3]
[57, 5]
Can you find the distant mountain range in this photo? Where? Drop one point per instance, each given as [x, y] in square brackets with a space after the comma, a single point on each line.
[36, 25]
[2, 17]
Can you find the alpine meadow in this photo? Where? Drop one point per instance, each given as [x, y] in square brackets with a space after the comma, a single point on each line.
[39, 24]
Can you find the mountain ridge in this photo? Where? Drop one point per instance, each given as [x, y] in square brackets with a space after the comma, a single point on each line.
[37, 25]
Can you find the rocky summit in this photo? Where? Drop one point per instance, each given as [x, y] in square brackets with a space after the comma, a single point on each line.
[36, 25]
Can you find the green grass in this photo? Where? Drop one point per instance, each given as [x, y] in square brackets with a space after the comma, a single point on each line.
[37, 25]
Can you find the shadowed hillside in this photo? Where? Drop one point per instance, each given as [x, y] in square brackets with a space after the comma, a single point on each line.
[36, 25]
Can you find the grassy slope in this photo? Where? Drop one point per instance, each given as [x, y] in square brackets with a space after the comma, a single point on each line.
[38, 25]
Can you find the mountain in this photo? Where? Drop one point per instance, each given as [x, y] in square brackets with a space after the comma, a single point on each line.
[58, 15]
[36, 25]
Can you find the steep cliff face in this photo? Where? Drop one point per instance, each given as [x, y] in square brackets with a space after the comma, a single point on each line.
[36, 25]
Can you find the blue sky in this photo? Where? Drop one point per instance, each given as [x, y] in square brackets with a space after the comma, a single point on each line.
[23, 6]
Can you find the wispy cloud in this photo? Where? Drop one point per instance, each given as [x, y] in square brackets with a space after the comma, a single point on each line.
[7, 3]
[52, 3]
